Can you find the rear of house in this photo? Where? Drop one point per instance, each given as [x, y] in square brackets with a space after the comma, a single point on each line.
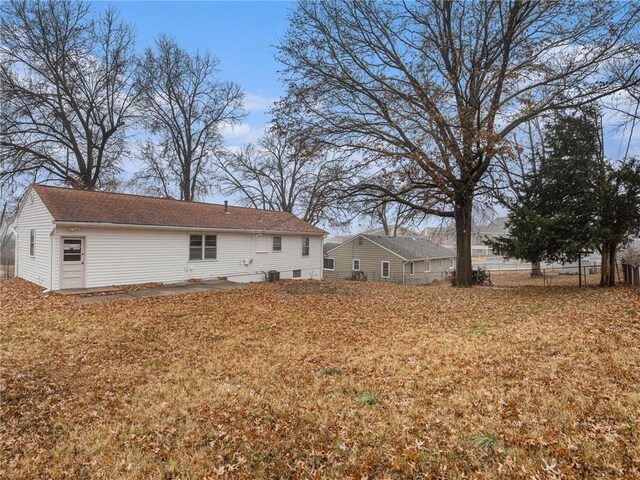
[377, 258]
[78, 239]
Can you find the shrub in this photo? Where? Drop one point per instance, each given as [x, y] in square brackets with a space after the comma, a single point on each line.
[358, 276]
[479, 276]
[331, 371]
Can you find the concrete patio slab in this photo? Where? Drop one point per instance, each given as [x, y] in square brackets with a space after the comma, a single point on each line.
[165, 290]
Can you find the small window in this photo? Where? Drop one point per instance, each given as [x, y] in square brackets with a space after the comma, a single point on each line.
[450, 263]
[427, 266]
[355, 266]
[277, 244]
[203, 247]
[384, 269]
[329, 264]
[297, 273]
[410, 268]
[32, 242]
[305, 246]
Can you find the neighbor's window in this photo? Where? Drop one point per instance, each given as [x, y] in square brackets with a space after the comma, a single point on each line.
[384, 269]
[427, 266]
[297, 273]
[32, 242]
[277, 244]
[410, 268]
[203, 247]
[451, 263]
[329, 264]
[356, 265]
[305, 246]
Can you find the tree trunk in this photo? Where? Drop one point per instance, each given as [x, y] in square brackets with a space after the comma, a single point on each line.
[536, 271]
[608, 269]
[462, 213]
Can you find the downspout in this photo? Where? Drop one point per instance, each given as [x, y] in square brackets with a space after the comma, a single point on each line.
[403, 273]
[53, 230]
[15, 253]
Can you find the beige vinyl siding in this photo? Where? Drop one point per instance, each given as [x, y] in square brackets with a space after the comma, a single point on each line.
[126, 255]
[34, 215]
[371, 257]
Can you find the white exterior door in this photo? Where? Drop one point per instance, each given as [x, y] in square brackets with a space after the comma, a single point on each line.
[72, 271]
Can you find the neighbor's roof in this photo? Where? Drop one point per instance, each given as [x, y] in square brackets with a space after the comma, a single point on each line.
[326, 246]
[411, 248]
[68, 205]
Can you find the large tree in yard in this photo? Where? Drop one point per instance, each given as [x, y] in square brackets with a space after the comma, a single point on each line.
[440, 85]
[65, 92]
[184, 105]
[288, 174]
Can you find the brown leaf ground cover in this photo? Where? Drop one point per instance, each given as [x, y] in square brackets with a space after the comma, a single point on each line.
[322, 380]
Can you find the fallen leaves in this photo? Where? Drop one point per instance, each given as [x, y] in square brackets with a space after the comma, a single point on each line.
[245, 383]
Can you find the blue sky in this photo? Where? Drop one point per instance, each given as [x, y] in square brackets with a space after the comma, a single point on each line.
[241, 35]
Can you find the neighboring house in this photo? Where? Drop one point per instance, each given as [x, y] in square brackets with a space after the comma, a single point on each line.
[78, 239]
[445, 236]
[406, 260]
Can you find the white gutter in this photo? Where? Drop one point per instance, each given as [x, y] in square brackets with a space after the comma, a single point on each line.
[188, 229]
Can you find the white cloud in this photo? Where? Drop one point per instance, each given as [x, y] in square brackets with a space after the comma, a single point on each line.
[256, 103]
[241, 134]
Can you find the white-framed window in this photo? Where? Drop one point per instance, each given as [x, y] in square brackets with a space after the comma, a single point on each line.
[277, 244]
[297, 274]
[450, 263]
[329, 264]
[305, 246]
[32, 242]
[355, 265]
[384, 269]
[427, 266]
[411, 268]
[203, 247]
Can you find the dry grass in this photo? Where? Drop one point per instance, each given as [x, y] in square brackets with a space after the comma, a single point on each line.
[478, 383]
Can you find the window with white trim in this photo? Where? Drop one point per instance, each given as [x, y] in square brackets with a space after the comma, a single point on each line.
[297, 274]
[355, 265]
[32, 242]
[277, 244]
[203, 247]
[384, 269]
[450, 263]
[427, 266]
[410, 268]
[329, 264]
[305, 246]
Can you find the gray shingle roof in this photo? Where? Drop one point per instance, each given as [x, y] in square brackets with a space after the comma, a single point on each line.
[411, 248]
[328, 246]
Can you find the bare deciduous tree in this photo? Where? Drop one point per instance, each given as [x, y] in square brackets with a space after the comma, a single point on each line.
[288, 175]
[442, 84]
[184, 106]
[66, 92]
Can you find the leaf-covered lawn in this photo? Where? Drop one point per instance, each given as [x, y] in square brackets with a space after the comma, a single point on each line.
[322, 380]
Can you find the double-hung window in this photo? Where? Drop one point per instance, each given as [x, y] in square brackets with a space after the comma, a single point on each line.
[427, 266]
[203, 247]
[384, 269]
[277, 244]
[305, 246]
[410, 268]
[355, 266]
[329, 264]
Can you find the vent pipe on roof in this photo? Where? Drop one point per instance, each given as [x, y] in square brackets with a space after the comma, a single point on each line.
[226, 206]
